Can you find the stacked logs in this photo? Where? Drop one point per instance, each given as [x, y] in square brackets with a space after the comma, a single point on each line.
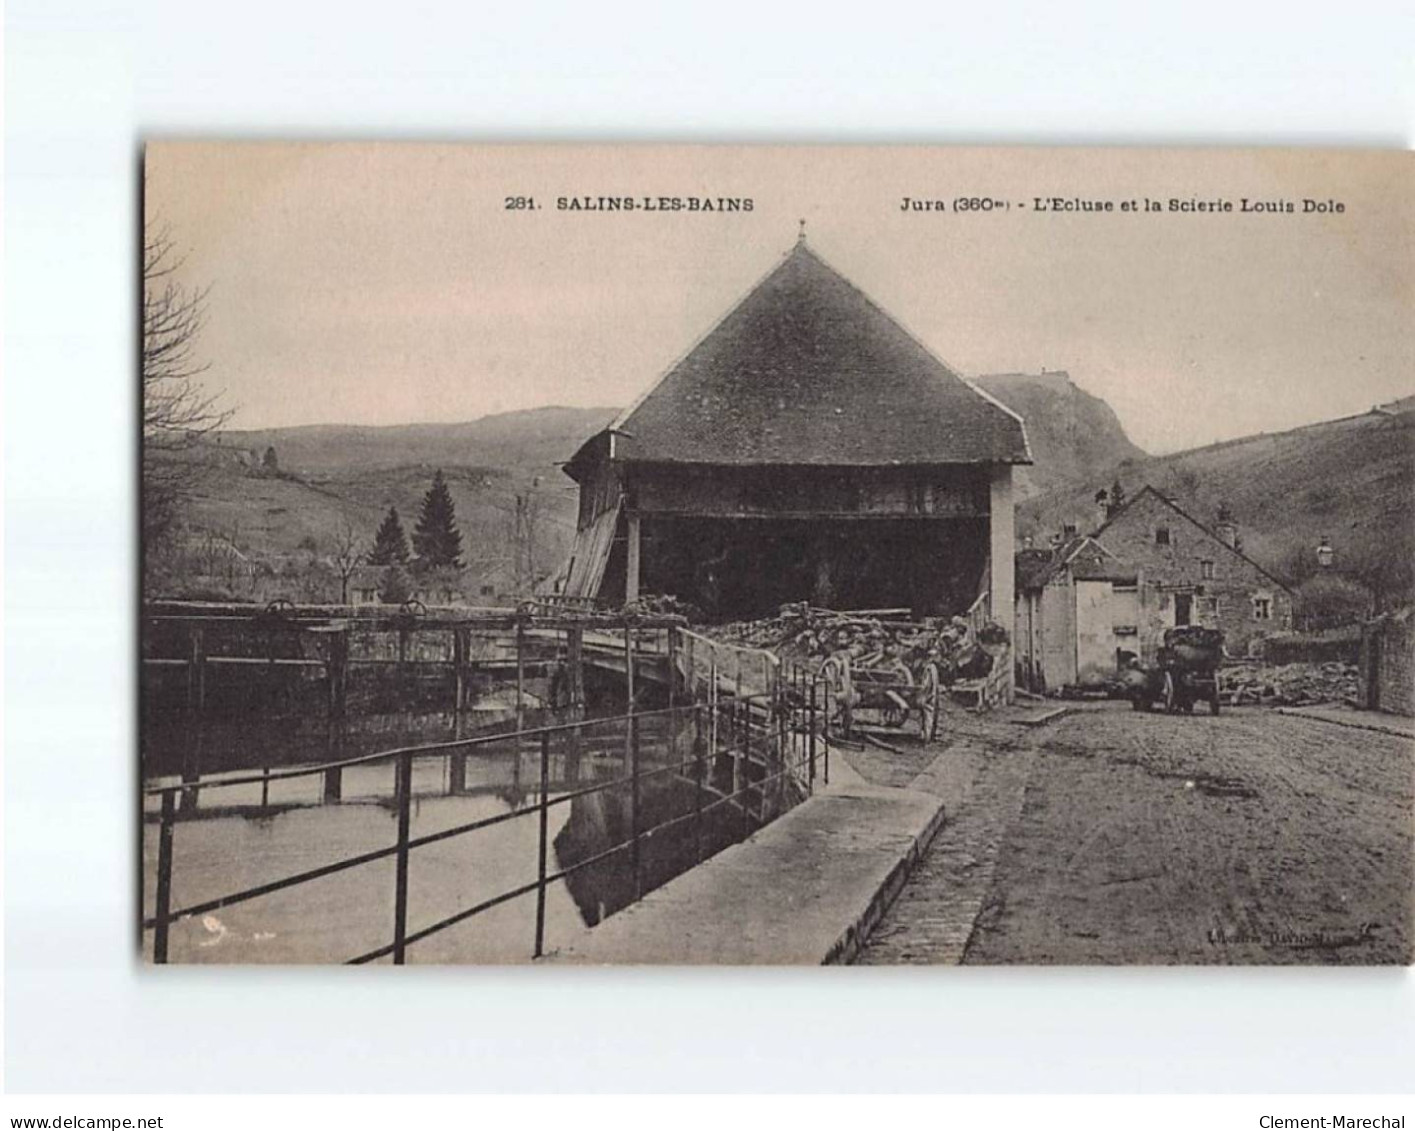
[804, 635]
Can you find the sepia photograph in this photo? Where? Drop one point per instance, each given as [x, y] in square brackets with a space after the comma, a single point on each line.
[775, 555]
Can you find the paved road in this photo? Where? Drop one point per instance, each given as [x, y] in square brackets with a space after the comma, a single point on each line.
[1115, 837]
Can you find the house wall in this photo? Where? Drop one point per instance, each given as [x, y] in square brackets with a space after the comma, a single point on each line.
[704, 490]
[1002, 547]
[1104, 613]
[1227, 600]
[1057, 636]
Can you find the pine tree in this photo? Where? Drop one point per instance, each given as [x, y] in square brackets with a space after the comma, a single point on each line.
[390, 544]
[436, 539]
[395, 586]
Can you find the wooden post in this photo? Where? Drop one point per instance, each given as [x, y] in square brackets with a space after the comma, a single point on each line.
[337, 672]
[164, 880]
[457, 763]
[631, 573]
[811, 733]
[400, 881]
[698, 751]
[196, 718]
[574, 648]
[544, 836]
[672, 694]
[520, 683]
[634, 821]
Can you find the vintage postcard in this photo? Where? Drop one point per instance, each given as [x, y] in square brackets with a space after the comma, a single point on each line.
[777, 555]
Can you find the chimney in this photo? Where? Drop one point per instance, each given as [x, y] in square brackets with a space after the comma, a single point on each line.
[1226, 528]
[1325, 553]
[1068, 531]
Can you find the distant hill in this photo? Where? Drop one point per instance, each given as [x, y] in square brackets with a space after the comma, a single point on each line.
[327, 475]
[1074, 436]
[1351, 479]
[538, 438]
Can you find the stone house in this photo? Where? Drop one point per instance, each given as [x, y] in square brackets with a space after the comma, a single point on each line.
[1189, 573]
[1078, 610]
[807, 448]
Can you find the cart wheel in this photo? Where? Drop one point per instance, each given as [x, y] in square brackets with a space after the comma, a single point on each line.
[836, 673]
[894, 714]
[929, 694]
[1171, 694]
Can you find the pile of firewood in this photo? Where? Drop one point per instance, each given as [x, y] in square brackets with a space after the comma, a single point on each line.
[805, 635]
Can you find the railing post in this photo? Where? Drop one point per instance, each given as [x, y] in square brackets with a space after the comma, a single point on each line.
[634, 805]
[457, 763]
[196, 712]
[544, 833]
[825, 728]
[336, 669]
[811, 732]
[164, 878]
[575, 657]
[520, 683]
[400, 882]
[698, 752]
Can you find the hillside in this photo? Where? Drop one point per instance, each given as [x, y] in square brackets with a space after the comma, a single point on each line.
[1074, 436]
[536, 438]
[288, 519]
[1351, 479]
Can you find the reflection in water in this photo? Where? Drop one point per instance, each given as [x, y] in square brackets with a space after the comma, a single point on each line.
[252, 834]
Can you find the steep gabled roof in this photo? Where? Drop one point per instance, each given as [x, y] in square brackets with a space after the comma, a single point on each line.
[1148, 490]
[807, 370]
[1087, 559]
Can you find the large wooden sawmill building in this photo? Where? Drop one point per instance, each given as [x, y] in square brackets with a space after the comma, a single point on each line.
[808, 448]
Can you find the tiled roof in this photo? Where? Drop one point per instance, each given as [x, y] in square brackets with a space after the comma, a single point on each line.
[806, 370]
[1088, 561]
[1148, 491]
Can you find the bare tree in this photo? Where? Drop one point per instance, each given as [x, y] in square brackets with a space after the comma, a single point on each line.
[177, 410]
[348, 553]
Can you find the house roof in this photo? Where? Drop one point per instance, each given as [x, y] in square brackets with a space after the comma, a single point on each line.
[807, 370]
[1148, 490]
[1087, 559]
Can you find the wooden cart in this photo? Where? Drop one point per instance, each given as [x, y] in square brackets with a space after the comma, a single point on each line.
[887, 686]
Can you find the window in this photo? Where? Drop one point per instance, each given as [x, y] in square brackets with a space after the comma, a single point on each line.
[488, 590]
[1262, 608]
[1206, 570]
[1161, 536]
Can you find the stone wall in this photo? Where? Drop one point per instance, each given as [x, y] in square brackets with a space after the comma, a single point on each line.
[1388, 662]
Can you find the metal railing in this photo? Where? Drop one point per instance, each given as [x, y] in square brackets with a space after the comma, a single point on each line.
[788, 728]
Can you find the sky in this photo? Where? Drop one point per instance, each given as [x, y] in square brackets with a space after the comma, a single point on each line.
[389, 283]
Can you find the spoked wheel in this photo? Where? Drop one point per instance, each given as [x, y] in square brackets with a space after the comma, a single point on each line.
[929, 694]
[1171, 694]
[836, 673]
[896, 706]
